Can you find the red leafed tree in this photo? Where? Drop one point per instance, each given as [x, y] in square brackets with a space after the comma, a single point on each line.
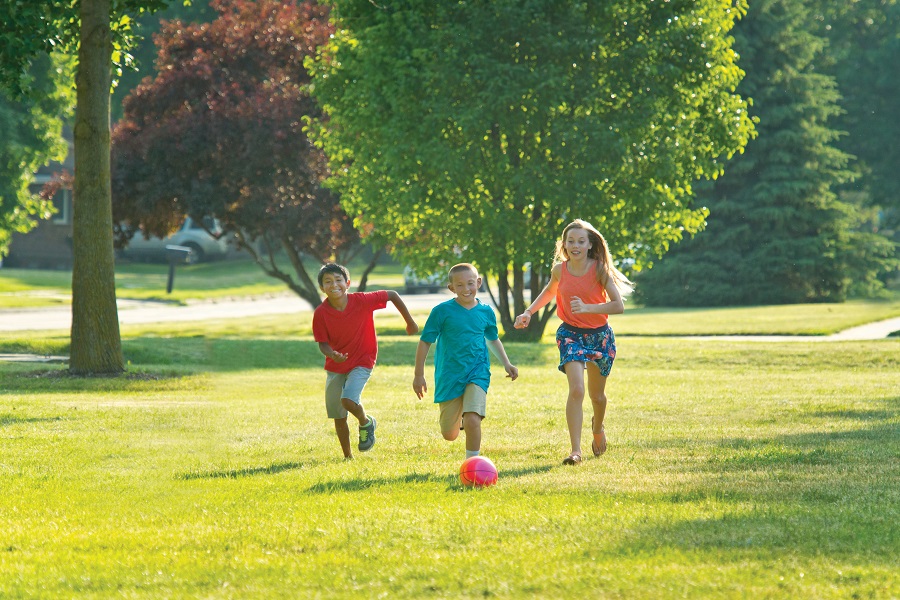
[220, 132]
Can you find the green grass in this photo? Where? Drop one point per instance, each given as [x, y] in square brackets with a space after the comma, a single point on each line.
[147, 281]
[791, 319]
[735, 470]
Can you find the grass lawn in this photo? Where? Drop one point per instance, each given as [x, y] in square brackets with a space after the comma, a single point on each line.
[735, 470]
[147, 281]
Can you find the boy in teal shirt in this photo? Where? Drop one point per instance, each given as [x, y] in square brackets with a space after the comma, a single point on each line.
[464, 328]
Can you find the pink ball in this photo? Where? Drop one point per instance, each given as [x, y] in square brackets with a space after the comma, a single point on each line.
[478, 471]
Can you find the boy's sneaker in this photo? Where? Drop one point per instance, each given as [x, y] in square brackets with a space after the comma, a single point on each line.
[367, 435]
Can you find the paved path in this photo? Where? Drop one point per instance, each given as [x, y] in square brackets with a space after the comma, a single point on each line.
[132, 312]
[136, 312]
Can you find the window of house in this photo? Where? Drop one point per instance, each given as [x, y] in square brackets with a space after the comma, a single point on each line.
[63, 203]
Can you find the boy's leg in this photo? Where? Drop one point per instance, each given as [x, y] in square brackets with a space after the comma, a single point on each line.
[356, 410]
[474, 402]
[351, 401]
[334, 384]
[451, 413]
[574, 411]
[473, 431]
[343, 435]
[597, 393]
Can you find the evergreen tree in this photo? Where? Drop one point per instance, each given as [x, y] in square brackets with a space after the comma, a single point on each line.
[777, 233]
[865, 51]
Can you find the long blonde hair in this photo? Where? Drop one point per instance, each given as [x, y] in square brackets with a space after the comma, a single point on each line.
[599, 252]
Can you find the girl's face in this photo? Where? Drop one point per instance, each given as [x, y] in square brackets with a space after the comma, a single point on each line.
[577, 244]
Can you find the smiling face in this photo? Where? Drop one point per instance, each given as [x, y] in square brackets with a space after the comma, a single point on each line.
[577, 244]
[465, 284]
[335, 286]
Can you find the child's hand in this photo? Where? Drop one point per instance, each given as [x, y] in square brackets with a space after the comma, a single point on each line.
[512, 372]
[412, 328]
[577, 305]
[522, 320]
[339, 357]
[419, 386]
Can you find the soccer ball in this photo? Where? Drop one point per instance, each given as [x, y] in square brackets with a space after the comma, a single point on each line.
[477, 471]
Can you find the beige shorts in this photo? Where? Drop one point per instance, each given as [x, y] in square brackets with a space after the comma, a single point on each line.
[474, 399]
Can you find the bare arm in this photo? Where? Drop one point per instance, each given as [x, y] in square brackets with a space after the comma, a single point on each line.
[497, 349]
[326, 349]
[419, 384]
[411, 326]
[547, 294]
[613, 306]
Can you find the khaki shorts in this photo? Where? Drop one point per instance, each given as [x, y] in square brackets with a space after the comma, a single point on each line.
[474, 399]
[344, 385]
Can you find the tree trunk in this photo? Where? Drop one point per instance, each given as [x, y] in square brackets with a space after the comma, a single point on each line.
[95, 346]
[363, 281]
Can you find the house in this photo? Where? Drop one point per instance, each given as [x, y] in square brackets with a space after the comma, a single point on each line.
[49, 245]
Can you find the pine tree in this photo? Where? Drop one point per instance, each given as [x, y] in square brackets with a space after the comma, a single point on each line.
[777, 233]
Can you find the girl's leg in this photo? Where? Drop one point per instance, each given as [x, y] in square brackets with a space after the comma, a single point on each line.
[574, 412]
[343, 435]
[472, 423]
[597, 393]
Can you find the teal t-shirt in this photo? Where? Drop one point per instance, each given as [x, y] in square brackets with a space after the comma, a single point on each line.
[461, 356]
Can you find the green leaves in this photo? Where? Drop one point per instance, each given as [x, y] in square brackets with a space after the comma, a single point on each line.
[475, 131]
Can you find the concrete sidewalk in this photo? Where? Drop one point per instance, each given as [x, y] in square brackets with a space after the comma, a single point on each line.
[136, 312]
[133, 312]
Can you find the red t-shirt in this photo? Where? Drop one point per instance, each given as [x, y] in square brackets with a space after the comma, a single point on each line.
[350, 331]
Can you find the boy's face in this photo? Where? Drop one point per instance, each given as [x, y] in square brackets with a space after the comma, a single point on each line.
[334, 285]
[465, 285]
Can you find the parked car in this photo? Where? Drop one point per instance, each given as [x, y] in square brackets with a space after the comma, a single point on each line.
[423, 284]
[190, 235]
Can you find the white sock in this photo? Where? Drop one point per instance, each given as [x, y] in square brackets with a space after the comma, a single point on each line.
[471, 453]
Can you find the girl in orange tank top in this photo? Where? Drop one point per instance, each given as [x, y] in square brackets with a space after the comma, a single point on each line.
[587, 288]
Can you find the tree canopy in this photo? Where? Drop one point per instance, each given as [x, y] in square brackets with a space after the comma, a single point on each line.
[220, 132]
[31, 133]
[778, 232]
[474, 131]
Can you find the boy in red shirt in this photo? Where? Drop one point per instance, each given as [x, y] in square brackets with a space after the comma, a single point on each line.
[344, 327]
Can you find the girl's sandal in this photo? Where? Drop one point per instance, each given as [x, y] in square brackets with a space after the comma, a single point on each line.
[598, 447]
[572, 459]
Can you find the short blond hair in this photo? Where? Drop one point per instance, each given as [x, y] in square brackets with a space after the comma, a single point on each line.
[462, 267]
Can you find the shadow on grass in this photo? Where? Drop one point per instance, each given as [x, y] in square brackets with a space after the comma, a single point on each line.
[804, 493]
[451, 481]
[226, 354]
[14, 420]
[272, 469]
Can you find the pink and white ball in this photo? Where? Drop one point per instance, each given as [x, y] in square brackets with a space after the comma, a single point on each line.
[478, 471]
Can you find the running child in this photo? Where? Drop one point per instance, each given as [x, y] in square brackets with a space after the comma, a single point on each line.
[587, 288]
[464, 328]
[344, 327]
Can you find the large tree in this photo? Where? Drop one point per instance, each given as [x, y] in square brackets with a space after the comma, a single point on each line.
[476, 130]
[96, 29]
[31, 136]
[777, 231]
[220, 132]
[864, 56]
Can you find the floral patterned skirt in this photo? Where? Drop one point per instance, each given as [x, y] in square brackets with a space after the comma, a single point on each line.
[583, 345]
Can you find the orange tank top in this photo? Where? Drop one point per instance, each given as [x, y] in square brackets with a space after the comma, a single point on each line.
[585, 287]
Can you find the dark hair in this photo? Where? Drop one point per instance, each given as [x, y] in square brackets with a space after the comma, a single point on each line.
[333, 268]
